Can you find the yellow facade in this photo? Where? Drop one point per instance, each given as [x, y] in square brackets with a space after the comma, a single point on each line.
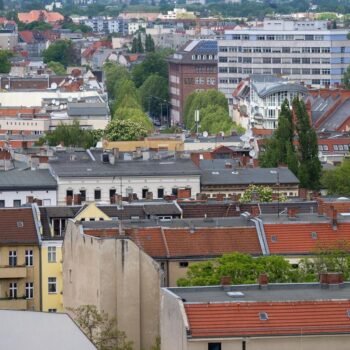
[18, 276]
[170, 144]
[51, 262]
[91, 212]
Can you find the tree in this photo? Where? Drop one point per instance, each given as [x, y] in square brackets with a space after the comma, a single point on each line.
[134, 46]
[154, 63]
[201, 100]
[57, 68]
[5, 63]
[100, 329]
[337, 181]
[134, 114]
[346, 77]
[153, 93]
[114, 72]
[139, 43]
[61, 51]
[309, 165]
[149, 44]
[255, 193]
[71, 136]
[242, 268]
[126, 95]
[124, 130]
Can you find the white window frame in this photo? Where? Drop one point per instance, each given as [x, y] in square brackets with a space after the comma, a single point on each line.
[29, 290]
[29, 257]
[52, 254]
[52, 281]
[12, 255]
[13, 290]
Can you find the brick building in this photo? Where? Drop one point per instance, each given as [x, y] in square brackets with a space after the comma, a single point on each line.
[193, 68]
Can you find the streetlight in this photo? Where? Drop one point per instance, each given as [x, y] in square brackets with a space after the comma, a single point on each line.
[277, 173]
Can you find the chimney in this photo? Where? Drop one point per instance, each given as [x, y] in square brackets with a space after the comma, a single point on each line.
[334, 216]
[331, 279]
[263, 280]
[320, 205]
[30, 199]
[292, 213]
[220, 197]
[228, 165]
[255, 211]
[115, 152]
[225, 280]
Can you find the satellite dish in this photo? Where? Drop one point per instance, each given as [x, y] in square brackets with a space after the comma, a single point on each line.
[70, 99]
[53, 86]
[53, 101]
[57, 103]
[205, 134]
[252, 153]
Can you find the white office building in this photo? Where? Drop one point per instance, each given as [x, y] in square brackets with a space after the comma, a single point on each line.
[301, 51]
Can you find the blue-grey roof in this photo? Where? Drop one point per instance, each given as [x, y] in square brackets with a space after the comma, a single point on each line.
[20, 180]
[337, 118]
[246, 176]
[84, 166]
[41, 331]
[87, 109]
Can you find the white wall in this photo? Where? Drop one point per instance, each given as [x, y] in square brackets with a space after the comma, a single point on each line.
[48, 197]
[136, 183]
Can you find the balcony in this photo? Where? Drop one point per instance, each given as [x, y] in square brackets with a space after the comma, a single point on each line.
[13, 272]
[13, 304]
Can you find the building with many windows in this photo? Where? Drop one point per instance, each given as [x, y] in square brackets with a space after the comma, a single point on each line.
[194, 68]
[303, 51]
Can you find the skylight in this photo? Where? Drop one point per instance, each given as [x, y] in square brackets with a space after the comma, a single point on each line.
[263, 316]
[20, 224]
[274, 238]
[348, 313]
[314, 235]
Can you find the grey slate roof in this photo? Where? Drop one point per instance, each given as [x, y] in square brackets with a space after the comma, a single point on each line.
[274, 292]
[84, 166]
[41, 331]
[337, 118]
[246, 176]
[15, 179]
[87, 109]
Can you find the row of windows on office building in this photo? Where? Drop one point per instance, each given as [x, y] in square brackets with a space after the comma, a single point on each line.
[296, 71]
[266, 49]
[277, 60]
[29, 288]
[200, 81]
[29, 257]
[276, 37]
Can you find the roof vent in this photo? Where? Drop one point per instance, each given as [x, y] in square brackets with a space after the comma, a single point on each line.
[235, 294]
[314, 235]
[348, 313]
[20, 224]
[273, 238]
[263, 316]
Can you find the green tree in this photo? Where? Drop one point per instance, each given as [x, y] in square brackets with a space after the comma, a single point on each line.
[114, 72]
[134, 46]
[154, 63]
[242, 268]
[201, 100]
[5, 63]
[134, 114]
[139, 43]
[57, 68]
[153, 92]
[337, 181]
[309, 165]
[149, 44]
[100, 329]
[126, 95]
[346, 76]
[280, 148]
[61, 51]
[124, 130]
[255, 193]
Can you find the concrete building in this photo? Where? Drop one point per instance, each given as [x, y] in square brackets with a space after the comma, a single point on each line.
[257, 100]
[95, 176]
[8, 39]
[38, 331]
[262, 316]
[20, 282]
[194, 68]
[111, 272]
[298, 50]
[195, 2]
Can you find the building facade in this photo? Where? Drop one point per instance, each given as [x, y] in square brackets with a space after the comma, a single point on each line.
[303, 51]
[194, 68]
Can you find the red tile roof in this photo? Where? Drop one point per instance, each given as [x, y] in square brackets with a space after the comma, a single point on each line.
[39, 15]
[27, 36]
[284, 318]
[212, 241]
[296, 238]
[11, 230]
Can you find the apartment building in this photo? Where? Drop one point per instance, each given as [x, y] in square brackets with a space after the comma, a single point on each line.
[302, 51]
[19, 259]
[8, 39]
[193, 68]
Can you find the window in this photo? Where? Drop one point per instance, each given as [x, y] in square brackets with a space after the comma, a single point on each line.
[13, 290]
[174, 191]
[29, 290]
[29, 257]
[183, 263]
[83, 195]
[160, 192]
[214, 346]
[97, 194]
[13, 258]
[16, 202]
[112, 193]
[51, 254]
[144, 192]
[273, 238]
[314, 235]
[52, 285]
[263, 316]
[2, 203]
[52, 310]
[69, 193]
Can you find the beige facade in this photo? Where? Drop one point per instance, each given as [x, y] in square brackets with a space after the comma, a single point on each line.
[117, 277]
[14, 279]
[8, 40]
